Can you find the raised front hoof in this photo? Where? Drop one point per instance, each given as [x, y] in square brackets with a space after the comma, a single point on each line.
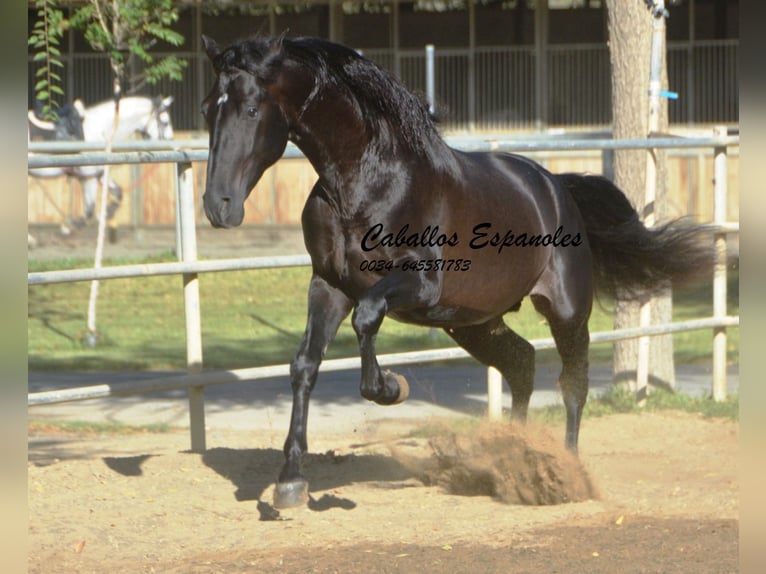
[397, 381]
[291, 494]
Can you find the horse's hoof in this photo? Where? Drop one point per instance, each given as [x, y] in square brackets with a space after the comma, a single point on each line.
[401, 382]
[291, 494]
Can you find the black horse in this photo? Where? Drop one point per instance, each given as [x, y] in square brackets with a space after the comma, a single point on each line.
[400, 224]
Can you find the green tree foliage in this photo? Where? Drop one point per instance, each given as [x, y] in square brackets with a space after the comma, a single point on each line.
[125, 28]
[45, 39]
[122, 29]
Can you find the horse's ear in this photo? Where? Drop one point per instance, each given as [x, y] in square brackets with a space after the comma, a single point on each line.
[79, 107]
[211, 47]
[165, 103]
[277, 45]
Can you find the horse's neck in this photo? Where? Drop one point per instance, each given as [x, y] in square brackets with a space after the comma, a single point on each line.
[331, 133]
[331, 156]
[357, 162]
[357, 159]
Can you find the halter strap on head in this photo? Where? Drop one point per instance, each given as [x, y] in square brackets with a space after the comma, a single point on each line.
[160, 105]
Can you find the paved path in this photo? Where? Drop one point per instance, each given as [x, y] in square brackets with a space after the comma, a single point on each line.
[336, 404]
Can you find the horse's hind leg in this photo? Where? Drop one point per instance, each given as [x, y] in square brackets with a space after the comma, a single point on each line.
[495, 345]
[89, 194]
[327, 309]
[115, 192]
[572, 340]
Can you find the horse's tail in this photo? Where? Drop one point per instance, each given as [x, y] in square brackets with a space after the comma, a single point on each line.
[628, 258]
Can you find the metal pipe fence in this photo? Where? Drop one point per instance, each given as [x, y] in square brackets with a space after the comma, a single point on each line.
[486, 87]
[189, 268]
[42, 153]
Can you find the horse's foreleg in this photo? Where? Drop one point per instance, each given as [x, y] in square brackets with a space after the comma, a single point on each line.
[393, 292]
[327, 309]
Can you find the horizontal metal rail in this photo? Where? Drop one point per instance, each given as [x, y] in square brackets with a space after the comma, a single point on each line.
[564, 144]
[169, 268]
[550, 141]
[210, 378]
[160, 154]
[77, 146]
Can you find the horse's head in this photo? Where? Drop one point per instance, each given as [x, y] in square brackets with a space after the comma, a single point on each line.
[159, 126]
[248, 128]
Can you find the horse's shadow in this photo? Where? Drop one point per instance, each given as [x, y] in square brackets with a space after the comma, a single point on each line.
[253, 471]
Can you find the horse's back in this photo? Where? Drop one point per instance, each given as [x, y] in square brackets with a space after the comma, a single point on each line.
[508, 175]
[99, 118]
[508, 191]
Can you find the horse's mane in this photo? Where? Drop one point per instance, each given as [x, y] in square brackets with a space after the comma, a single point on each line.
[382, 99]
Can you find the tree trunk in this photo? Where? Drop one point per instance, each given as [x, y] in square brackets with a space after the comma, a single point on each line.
[91, 337]
[630, 39]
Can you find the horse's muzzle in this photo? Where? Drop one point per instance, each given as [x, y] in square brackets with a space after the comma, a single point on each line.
[223, 212]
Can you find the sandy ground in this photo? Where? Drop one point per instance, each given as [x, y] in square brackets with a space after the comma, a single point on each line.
[666, 484]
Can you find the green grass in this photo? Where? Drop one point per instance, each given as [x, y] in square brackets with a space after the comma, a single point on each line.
[92, 428]
[620, 400]
[253, 318]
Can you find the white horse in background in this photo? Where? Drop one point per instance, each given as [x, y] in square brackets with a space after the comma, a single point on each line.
[140, 116]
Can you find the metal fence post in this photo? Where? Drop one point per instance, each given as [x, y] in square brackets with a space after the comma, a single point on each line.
[137, 200]
[719, 278]
[494, 394]
[430, 80]
[187, 252]
[650, 196]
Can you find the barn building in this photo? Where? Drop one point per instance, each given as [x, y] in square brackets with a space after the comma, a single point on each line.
[500, 65]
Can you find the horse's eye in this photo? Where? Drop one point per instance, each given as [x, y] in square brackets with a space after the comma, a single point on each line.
[252, 111]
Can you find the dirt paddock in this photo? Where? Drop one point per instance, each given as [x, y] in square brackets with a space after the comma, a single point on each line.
[661, 496]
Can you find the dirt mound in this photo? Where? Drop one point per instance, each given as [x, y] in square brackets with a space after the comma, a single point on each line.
[516, 465]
